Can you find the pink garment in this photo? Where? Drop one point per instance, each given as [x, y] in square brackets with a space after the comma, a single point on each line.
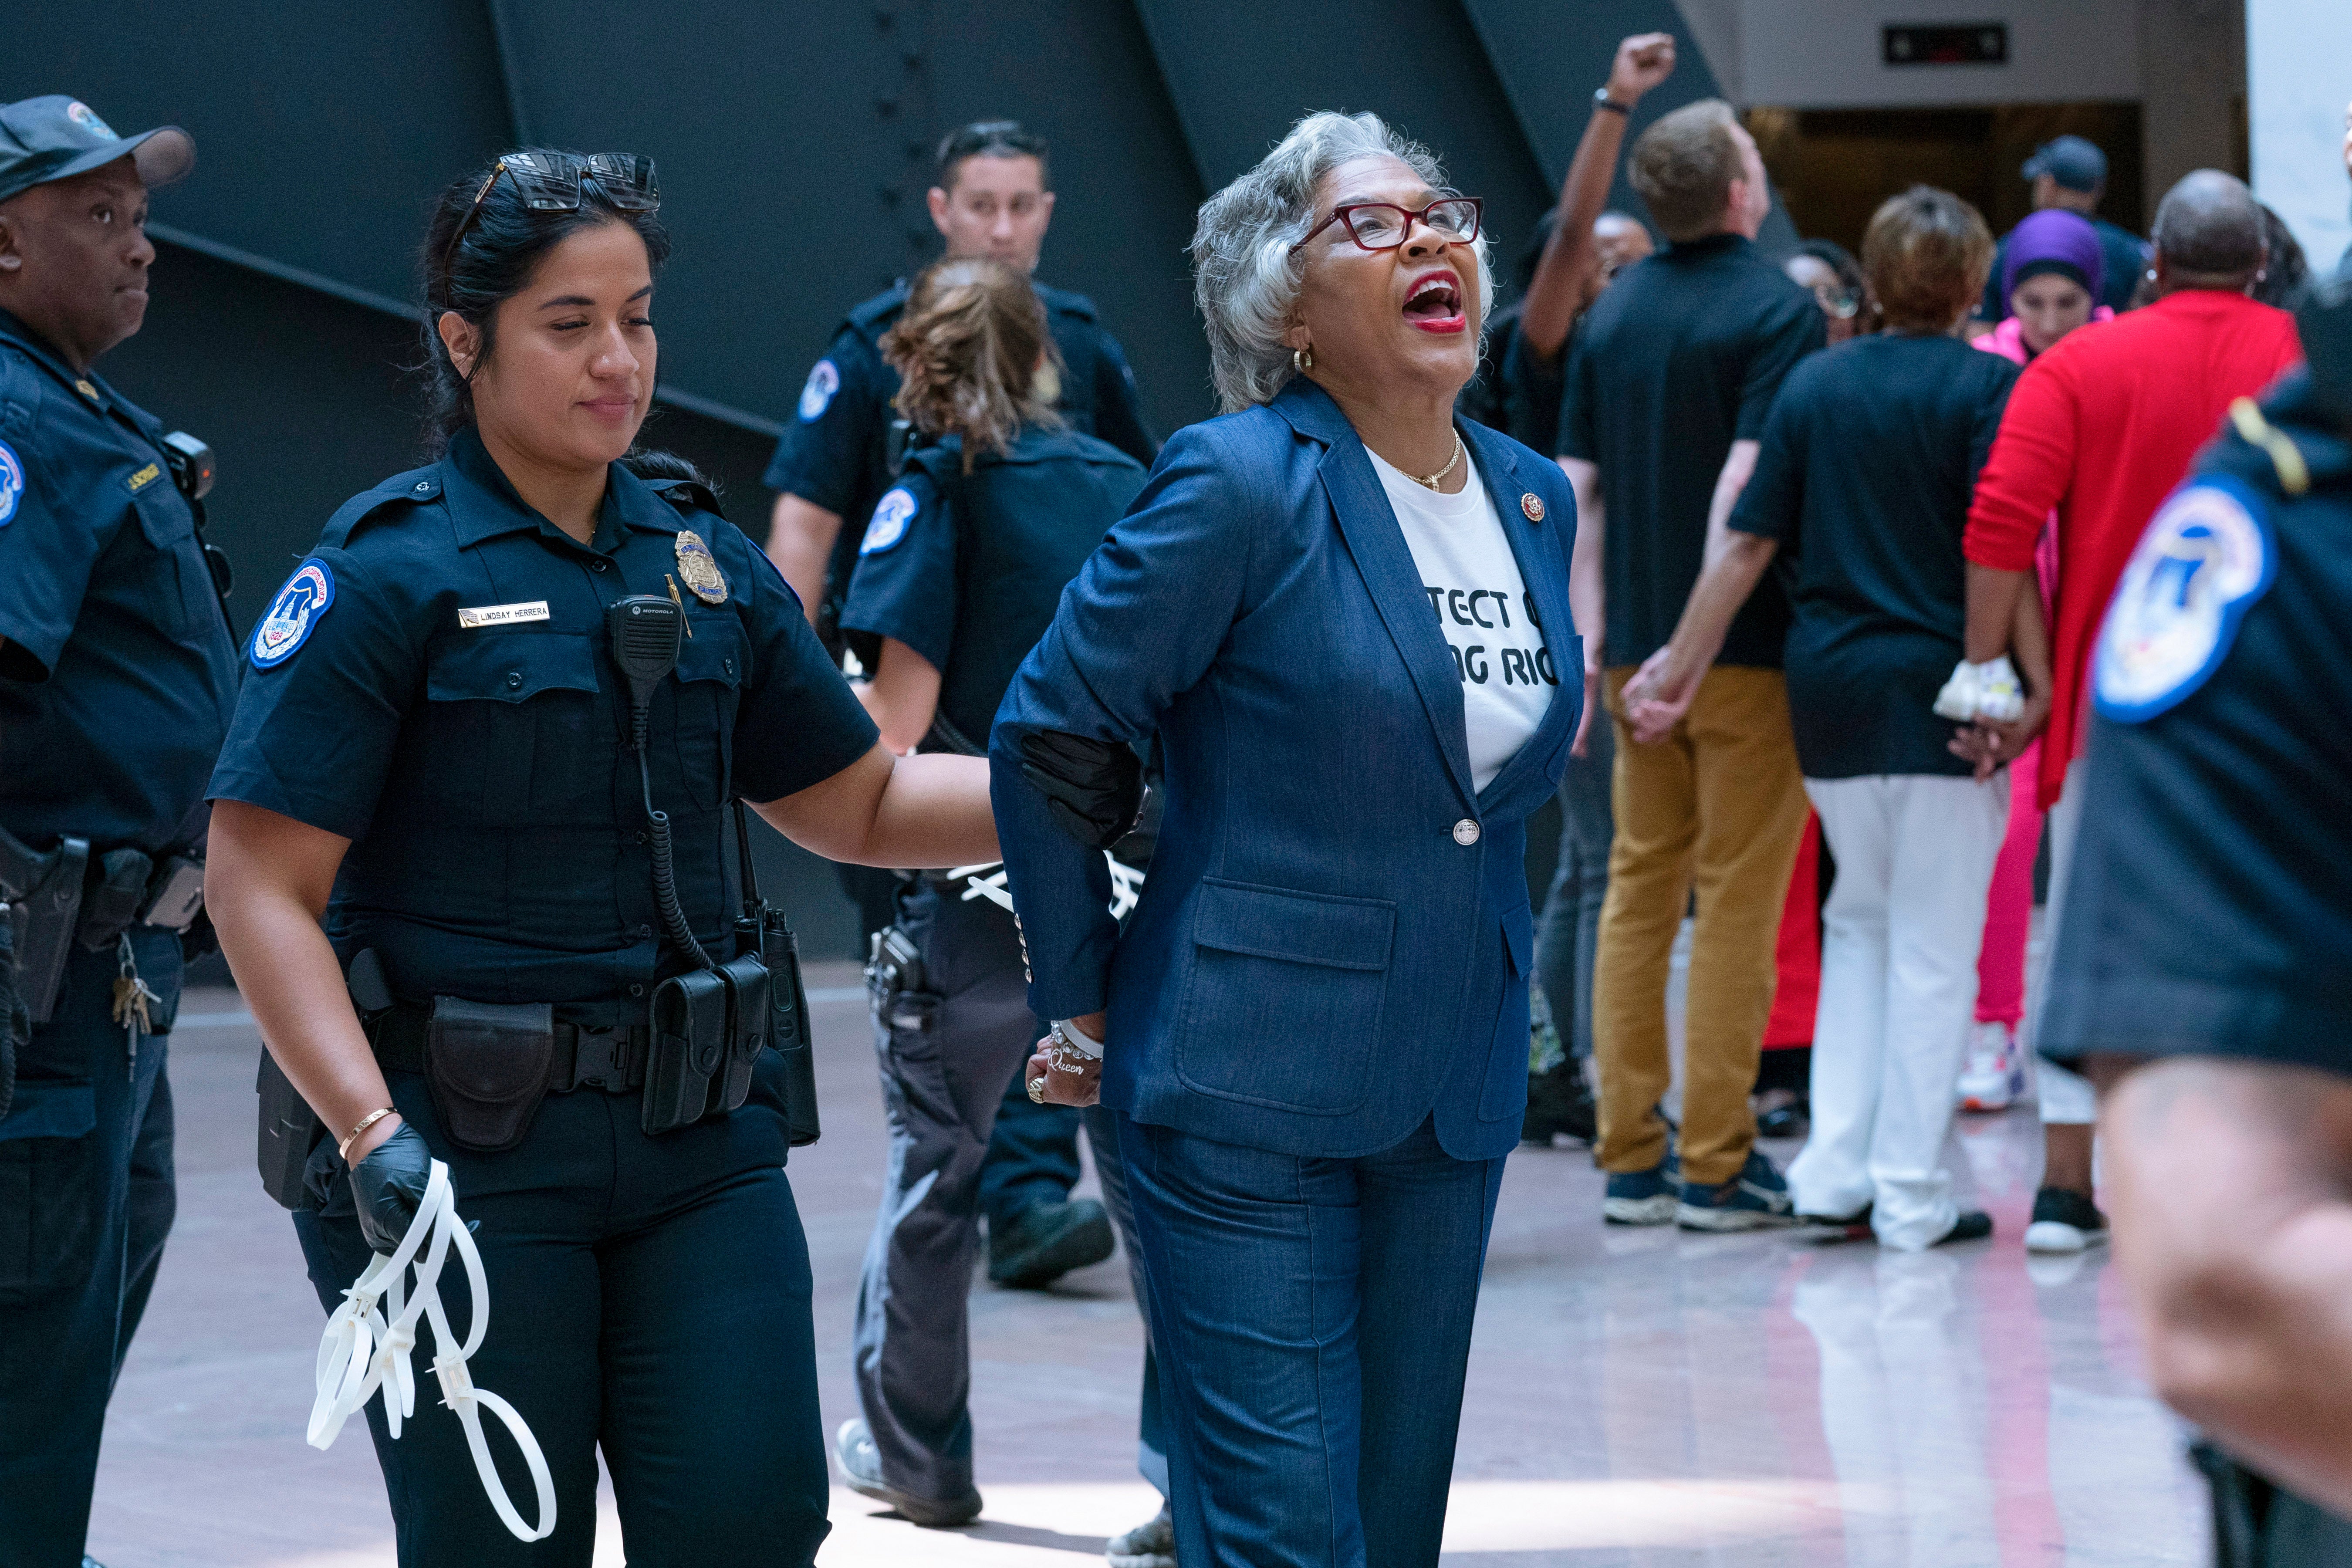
[2007, 339]
[2009, 905]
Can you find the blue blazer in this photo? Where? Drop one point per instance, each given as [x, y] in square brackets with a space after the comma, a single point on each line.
[1319, 960]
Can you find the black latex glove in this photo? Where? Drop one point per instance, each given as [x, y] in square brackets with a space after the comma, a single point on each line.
[389, 1187]
[15, 1023]
[1092, 789]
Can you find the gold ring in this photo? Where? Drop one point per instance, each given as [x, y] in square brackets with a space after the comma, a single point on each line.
[1037, 1089]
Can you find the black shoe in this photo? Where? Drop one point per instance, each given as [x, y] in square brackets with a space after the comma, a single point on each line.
[1974, 1224]
[861, 1466]
[1560, 1102]
[1045, 1241]
[1854, 1226]
[2064, 1221]
[1792, 1119]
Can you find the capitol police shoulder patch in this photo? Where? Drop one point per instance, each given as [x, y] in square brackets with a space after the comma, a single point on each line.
[2200, 567]
[12, 483]
[892, 513]
[293, 614]
[816, 392]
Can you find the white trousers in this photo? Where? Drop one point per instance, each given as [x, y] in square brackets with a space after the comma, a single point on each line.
[1900, 937]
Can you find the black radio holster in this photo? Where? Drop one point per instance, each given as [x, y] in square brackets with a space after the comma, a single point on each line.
[710, 1025]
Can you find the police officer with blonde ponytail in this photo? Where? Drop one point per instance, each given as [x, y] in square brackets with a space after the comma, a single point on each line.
[958, 575]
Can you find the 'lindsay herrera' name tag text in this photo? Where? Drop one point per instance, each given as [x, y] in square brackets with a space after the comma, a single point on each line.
[501, 614]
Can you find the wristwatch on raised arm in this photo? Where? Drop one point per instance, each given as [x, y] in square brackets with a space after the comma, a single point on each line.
[1600, 100]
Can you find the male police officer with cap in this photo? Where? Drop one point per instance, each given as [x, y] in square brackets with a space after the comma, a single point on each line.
[2071, 173]
[2203, 946]
[840, 453]
[116, 686]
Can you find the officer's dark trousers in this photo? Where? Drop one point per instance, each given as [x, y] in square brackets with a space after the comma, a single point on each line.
[82, 1223]
[1033, 1155]
[944, 1069]
[1569, 934]
[650, 1296]
[1312, 1319]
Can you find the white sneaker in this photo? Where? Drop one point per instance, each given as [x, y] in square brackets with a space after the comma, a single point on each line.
[1995, 1075]
[1151, 1544]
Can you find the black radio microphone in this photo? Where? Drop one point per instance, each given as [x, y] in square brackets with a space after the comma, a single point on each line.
[646, 629]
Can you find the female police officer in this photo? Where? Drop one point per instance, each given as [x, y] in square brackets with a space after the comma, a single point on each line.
[440, 730]
[957, 575]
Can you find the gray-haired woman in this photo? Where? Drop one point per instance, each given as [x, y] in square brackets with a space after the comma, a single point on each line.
[1345, 613]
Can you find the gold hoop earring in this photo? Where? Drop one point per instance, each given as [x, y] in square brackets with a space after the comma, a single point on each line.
[1302, 359]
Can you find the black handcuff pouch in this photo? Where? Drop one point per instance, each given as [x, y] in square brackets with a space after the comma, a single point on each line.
[489, 1064]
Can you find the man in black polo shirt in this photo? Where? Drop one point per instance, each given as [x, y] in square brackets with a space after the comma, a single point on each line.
[1667, 392]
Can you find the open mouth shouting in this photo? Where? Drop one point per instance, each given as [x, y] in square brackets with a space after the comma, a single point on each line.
[1433, 303]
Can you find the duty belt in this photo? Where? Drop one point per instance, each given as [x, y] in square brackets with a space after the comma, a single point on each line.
[607, 1057]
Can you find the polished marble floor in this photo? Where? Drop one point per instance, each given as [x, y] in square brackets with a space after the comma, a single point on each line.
[1643, 1398]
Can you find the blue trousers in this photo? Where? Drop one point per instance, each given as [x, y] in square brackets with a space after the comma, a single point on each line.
[1312, 1319]
[86, 1200]
[649, 1296]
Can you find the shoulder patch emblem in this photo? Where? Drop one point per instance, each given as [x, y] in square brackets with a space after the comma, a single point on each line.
[293, 614]
[12, 483]
[816, 392]
[2203, 561]
[892, 513]
[696, 564]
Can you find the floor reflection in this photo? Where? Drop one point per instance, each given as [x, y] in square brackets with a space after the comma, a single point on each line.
[1636, 1399]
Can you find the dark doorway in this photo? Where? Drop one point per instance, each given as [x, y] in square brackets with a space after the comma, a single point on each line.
[1833, 166]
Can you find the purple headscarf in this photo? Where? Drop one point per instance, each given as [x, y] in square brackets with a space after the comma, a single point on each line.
[2054, 240]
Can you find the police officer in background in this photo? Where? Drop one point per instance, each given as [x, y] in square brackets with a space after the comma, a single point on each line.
[2203, 947]
[841, 452]
[116, 682]
[958, 575]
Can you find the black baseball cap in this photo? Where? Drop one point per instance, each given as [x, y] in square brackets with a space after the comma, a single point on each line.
[56, 137]
[2072, 162]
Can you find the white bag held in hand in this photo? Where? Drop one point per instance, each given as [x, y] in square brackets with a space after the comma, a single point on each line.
[1987, 690]
[362, 1350]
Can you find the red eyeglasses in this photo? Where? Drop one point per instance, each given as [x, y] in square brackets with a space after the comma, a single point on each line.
[1383, 225]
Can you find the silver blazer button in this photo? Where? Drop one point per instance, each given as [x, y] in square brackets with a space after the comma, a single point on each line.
[1465, 833]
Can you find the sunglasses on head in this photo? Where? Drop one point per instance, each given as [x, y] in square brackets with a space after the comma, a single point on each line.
[551, 181]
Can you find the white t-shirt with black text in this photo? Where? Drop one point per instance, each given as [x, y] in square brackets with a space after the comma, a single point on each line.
[1481, 606]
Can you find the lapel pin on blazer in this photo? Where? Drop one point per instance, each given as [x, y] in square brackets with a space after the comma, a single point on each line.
[1533, 506]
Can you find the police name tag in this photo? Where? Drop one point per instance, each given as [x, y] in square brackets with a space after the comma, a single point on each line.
[501, 614]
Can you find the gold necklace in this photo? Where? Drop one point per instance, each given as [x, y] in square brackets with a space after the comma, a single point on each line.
[1430, 481]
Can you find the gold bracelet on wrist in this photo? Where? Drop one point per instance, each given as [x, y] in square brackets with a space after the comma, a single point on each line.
[343, 1149]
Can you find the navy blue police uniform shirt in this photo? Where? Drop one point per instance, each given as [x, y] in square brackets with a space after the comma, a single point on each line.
[835, 451]
[435, 684]
[2208, 908]
[1864, 477]
[967, 570]
[118, 673]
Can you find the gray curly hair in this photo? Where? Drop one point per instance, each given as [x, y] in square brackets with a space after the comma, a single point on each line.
[1245, 276]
